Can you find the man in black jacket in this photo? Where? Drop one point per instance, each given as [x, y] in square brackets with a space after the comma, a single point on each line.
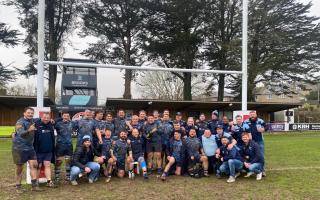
[83, 162]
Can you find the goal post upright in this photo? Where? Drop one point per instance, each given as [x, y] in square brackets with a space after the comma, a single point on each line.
[244, 88]
[40, 64]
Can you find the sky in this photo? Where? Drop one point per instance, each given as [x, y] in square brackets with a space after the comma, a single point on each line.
[110, 81]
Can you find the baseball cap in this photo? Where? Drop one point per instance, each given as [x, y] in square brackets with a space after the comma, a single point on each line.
[86, 138]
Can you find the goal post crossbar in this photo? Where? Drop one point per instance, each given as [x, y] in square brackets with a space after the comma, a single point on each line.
[142, 68]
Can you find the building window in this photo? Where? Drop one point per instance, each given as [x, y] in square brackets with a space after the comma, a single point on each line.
[269, 96]
[282, 96]
[80, 71]
[85, 91]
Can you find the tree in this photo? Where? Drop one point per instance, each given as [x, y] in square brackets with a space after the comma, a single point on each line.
[283, 45]
[22, 90]
[166, 86]
[118, 25]
[6, 75]
[60, 20]
[223, 33]
[8, 38]
[174, 36]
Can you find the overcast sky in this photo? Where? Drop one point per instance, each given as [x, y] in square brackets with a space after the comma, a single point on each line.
[110, 82]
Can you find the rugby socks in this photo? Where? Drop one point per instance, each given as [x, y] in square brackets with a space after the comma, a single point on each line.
[67, 166]
[57, 173]
[34, 183]
[159, 170]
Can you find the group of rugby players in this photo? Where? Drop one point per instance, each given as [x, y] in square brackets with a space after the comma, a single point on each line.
[109, 146]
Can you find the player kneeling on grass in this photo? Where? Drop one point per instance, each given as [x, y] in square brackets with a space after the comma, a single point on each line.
[83, 162]
[175, 155]
[137, 152]
[194, 148]
[120, 149]
[231, 160]
[252, 155]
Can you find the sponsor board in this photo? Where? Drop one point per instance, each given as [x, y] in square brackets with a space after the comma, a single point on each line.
[304, 127]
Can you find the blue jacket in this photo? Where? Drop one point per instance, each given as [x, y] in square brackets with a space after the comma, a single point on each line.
[226, 127]
[187, 127]
[212, 124]
[137, 126]
[84, 127]
[176, 148]
[119, 125]
[106, 147]
[218, 138]
[64, 132]
[137, 146]
[193, 146]
[110, 126]
[152, 133]
[202, 126]
[182, 123]
[23, 140]
[238, 130]
[251, 153]
[121, 148]
[141, 122]
[256, 136]
[230, 154]
[167, 132]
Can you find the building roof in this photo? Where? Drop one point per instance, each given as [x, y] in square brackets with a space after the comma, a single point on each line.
[13, 101]
[144, 104]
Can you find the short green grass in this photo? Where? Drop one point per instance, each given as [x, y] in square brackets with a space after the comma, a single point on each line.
[285, 154]
[6, 130]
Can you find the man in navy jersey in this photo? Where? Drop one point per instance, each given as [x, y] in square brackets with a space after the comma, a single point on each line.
[23, 149]
[86, 126]
[119, 122]
[137, 147]
[64, 148]
[152, 133]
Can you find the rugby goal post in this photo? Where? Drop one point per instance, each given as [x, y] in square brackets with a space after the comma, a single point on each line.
[41, 61]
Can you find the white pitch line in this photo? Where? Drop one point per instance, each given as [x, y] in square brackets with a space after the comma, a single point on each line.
[293, 168]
